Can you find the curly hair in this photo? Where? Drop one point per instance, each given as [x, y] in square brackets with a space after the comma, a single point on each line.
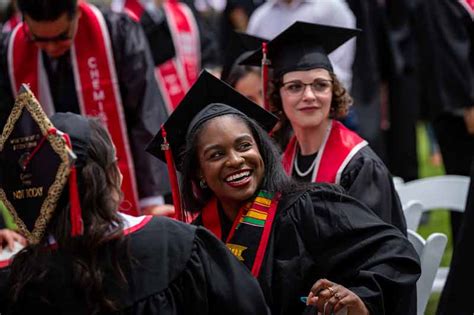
[89, 257]
[340, 103]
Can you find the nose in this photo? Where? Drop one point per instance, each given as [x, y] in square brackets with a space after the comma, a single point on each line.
[308, 93]
[234, 159]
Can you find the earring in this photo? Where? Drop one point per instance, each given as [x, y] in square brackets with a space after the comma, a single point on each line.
[202, 183]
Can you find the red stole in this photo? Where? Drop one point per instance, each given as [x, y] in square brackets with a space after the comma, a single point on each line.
[176, 75]
[339, 146]
[250, 232]
[96, 85]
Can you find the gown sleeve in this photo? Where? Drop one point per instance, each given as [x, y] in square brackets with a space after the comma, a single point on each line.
[213, 282]
[232, 289]
[353, 247]
[367, 179]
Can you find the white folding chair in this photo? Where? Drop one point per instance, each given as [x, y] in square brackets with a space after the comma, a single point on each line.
[437, 192]
[413, 211]
[430, 251]
[447, 191]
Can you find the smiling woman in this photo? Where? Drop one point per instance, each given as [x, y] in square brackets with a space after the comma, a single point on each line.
[310, 99]
[291, 236]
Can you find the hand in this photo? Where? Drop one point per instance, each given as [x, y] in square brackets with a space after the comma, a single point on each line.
[331, 297]
[8, 239]
[469, 119]
[163, 210]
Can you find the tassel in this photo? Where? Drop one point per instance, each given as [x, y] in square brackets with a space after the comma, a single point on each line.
[77, 226]
[265, 63]
[179, 213]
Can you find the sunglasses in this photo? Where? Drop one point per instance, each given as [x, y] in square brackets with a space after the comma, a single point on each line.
[66, 35]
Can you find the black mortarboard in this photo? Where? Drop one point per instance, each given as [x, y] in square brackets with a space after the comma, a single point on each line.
[35, 164]
[302, 46]
[194, 110]
[240, 46]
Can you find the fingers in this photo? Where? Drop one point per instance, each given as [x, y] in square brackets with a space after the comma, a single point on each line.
[330, 297]
[8, 239]
[320, 286]
[163, 210]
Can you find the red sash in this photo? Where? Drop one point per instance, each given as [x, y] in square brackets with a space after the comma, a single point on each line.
[469, 6]
[96, 85]
[250, 232]
[176, 75]
[338, 147]
[9, 25]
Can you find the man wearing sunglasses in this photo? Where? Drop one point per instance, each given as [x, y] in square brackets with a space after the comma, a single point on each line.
[79, 59]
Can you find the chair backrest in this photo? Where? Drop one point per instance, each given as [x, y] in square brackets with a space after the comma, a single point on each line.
[448, 192]
[413, 211]
[430, 251]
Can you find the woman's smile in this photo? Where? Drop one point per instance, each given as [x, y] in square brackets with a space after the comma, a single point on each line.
[239, 179]
[229, 160]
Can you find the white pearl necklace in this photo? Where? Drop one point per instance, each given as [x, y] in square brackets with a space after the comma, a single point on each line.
[305, 173]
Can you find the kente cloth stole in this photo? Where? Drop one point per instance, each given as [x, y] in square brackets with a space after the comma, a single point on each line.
[176, 75]
[96, 85]
[337, 149]
[250, 232]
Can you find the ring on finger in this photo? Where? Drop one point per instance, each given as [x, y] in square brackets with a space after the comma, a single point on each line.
[330, 289]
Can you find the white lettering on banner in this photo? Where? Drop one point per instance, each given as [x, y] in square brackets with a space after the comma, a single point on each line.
[98, 94]
[172, 81]
[186, 42]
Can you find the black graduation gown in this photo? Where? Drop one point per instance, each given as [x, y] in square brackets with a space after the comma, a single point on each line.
[367, 179]
[455, 298]
[327, 234]
[367, 72]
[143, 105]
[161, 43]
[175, 269]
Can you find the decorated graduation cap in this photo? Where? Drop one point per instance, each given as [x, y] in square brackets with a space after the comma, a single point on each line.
[240, 46]
[302, 46]
[208, 98]
[36, 163]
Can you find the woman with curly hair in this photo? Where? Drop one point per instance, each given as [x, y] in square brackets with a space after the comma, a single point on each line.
[309, 99]
[312, 247]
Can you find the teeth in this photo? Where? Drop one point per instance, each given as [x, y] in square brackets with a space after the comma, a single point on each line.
[237, 176]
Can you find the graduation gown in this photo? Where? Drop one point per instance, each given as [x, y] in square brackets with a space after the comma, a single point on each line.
[143, 105]
[367, 179]
[174, 269]
[323, 233]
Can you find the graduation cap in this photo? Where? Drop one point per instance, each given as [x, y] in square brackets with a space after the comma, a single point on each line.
[209, 97]
[302, 46]
[240, 46]
[36, 163]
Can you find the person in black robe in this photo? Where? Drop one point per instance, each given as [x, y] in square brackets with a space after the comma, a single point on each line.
[143, 106]
[305, 243]
[157, 31]
[114, 263]
[297, 56]
[446, 49]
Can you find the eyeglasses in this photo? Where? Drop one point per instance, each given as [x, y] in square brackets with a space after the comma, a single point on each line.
[66, 35]
[297, 87]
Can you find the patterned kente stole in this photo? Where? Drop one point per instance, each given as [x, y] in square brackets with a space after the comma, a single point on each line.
[176, 75]
[96, 85]
[250, 232]
[337, 149]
